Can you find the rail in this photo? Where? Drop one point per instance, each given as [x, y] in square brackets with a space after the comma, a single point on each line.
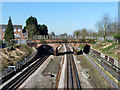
[101, 72]
[115, 74]
[72, 75]
[17, 81]
[18, 65]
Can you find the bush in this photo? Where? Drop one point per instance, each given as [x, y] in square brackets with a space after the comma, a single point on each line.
[64, 40]
[91, 41]
[42, 41]
[12, 48]
[109, 41]
[3, 45]
[83, 40]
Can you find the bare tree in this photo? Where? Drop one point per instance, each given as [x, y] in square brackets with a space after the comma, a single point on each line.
[104, 26]
[100, 29]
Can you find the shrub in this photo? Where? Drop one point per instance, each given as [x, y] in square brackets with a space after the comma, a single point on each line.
[83, 40]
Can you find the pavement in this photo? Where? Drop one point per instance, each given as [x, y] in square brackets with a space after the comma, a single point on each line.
[36, 76]
[62, 77]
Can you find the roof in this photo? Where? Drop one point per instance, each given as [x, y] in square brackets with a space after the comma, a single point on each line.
[14, 26]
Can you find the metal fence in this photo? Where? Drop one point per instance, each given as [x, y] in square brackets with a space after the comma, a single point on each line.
[17, 66]
[71, 37]
[20, 41]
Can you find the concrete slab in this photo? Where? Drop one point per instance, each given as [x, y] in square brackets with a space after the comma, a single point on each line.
[62, 77]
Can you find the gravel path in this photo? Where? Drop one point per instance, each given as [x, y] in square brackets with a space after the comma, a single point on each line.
[84, 82]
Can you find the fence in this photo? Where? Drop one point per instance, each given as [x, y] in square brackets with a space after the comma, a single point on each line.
[109, 67]
[18, 65]
[101, 72]
[71, 37]
[20, 41]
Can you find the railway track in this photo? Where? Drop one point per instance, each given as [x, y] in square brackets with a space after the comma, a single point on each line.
[15, 83]
[72, 78]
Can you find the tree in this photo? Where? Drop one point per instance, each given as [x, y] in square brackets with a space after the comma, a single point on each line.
[52, 33]
[24, 29]
[104, 26]
[117, 36]
[43, 30]
[31, 29]
[9, 32]
[84, 32]
[31, 26]
[76, 32]
[31, 20]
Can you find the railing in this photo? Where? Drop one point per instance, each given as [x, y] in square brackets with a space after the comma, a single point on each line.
[107, 68]
[70, 37]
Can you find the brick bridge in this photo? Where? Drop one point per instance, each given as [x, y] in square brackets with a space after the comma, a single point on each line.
[55, 46]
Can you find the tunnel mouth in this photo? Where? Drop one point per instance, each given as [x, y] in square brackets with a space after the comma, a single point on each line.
[86, 49]
[45, 50]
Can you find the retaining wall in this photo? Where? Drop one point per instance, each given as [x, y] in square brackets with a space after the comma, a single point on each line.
[106, 57]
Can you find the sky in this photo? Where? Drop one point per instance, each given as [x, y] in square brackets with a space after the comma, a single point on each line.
[60, 17]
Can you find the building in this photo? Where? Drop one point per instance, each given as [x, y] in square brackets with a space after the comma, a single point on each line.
[17, 32]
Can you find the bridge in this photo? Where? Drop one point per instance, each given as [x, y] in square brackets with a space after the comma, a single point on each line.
[48, 37]
[55, 42]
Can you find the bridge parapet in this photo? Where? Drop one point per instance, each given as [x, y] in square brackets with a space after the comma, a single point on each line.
[63, 37]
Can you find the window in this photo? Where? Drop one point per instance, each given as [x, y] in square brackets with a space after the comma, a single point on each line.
[14, 30]
[19, 30]
[17, 35]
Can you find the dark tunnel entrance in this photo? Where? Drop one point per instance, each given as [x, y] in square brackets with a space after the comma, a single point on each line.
[86, 49]
[45, 50]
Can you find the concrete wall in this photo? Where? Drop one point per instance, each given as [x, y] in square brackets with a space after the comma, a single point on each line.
[106, 57]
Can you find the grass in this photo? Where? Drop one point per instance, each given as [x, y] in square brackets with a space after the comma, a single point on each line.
[110, 50]
[12, 61]
[110, 47]
[96, 80]
[82, 46]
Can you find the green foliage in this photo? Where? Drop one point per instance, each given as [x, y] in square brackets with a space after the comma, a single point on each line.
[9, 32]
[33, 28]
[82, 46]
[109, 41]
[91, 41]
[83, 40]
[3, 45]
[108, 48]
[42, 41]
[43, 30]
[64, 40]
[116, 35]
[31, 21]
[83, 32]
[24, 29]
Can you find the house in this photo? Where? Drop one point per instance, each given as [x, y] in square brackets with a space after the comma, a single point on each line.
[17, 32]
